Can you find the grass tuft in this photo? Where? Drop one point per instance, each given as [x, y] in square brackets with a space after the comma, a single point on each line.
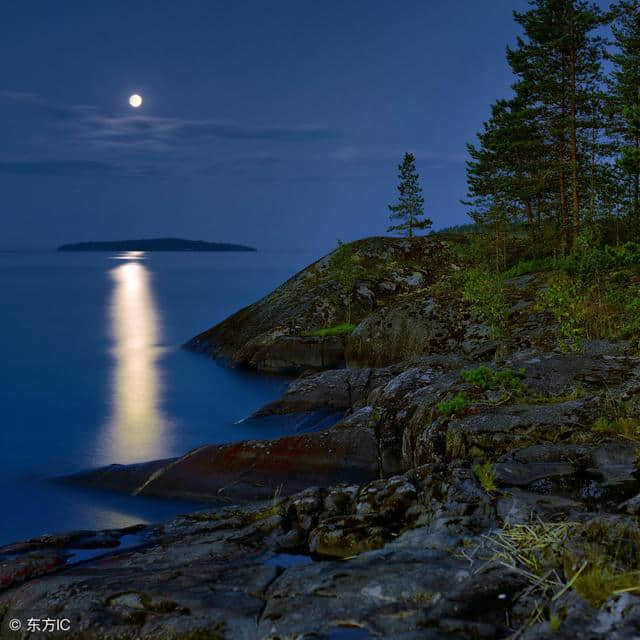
[486, 476]
[341, 329]
[487, 378]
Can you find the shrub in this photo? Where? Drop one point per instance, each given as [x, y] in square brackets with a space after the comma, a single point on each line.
[485, 476]
[485, 294]
[486, 378]
[536, 264]
[454, 405]
[343, 270]
[625, 427]
[562, 298]
[603, 558]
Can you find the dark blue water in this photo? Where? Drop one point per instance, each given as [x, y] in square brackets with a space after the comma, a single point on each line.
[91, 373]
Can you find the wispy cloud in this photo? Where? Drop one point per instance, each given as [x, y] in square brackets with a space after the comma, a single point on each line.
[147, 134]
[58, 168]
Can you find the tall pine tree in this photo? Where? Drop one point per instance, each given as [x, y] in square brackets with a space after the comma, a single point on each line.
[540, 156]
[624, 86]
[410, 207]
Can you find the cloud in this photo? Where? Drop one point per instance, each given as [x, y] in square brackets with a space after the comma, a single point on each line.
[57, 168]
[145, 133]
[77, 168]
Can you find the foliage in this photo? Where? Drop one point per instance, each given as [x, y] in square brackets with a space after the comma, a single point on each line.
[624, 102]
[554, 623]
[562, 299]
[458, 229]
[535, 265]
[564, 150]
[596, 293]
[486, 378]
[596, 559]
[486, 476]
[485, 293]
[621, 419]
[454, 405]
[628, 428]
[341, 329]
[343, 270]
[409, 209]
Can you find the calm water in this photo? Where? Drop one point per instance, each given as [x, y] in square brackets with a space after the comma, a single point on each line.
[91, 373]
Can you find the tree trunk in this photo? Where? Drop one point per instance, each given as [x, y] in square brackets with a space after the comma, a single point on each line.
[574, 150]
[574, 125]
[636, 188]
[529, 214]
[564, 230]
[563, 209]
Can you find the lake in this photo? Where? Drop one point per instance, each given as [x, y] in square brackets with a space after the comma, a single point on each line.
[92, 373]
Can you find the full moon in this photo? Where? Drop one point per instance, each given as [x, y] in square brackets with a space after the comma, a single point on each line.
[135, 100]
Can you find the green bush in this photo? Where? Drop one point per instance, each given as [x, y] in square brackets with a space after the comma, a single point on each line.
[484, 292]
[343, 270]
[486, 378]
[454, 405]
[562, 298]
[485, 476]
[537, 265]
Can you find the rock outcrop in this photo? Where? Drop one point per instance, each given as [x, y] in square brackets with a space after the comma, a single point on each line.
[272, 334]
[472, 487]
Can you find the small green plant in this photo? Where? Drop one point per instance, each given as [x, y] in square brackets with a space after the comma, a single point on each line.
[343, 269]
[600, 580]
[620, 419]
[454, 405]
[486, 476]
[486, 378]
[535, 265]
[624, 427]
[554, 623]
[341, 329]
[603, 560]
[484, 292]
[562, 298]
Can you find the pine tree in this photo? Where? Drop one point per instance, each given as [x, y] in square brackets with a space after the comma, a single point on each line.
[624, 86]
[504, 176]
[558, 64]
[410, 201]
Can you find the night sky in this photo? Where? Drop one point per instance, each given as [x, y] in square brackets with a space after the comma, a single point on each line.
[278, 124]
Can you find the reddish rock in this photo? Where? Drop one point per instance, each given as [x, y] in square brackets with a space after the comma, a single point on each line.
[250, 470]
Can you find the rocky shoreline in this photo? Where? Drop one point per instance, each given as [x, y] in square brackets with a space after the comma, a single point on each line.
[473, 486]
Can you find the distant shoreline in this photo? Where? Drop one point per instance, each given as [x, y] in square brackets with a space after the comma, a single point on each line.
[154, 244]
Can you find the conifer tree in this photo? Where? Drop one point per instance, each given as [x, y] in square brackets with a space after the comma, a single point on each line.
[410, 207]
[558, 64]
[624, 86]
[541, 155]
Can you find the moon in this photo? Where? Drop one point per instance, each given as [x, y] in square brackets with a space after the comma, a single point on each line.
[135, 100]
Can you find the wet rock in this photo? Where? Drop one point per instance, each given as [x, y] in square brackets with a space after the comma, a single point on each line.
[334, 389]
[252, 469]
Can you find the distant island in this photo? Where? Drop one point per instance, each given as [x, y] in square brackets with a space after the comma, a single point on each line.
[154, 244]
